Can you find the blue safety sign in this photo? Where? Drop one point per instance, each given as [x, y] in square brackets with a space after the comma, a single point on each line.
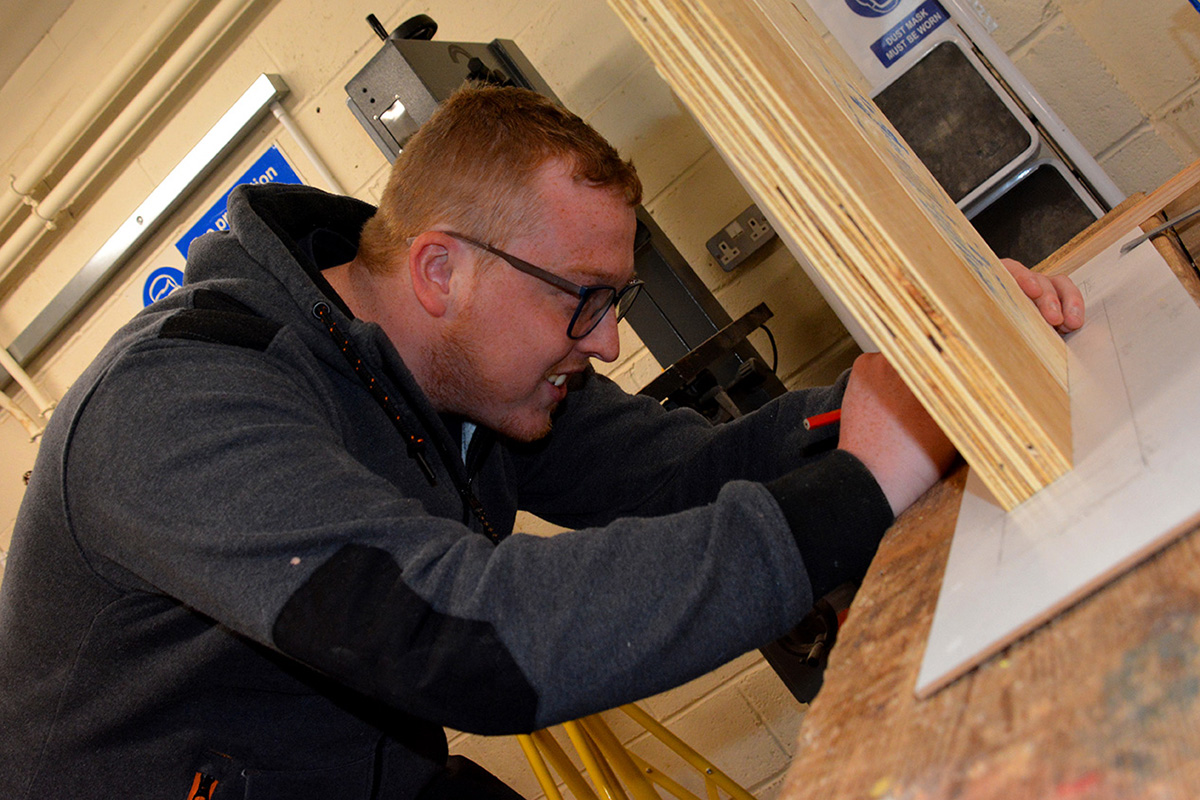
[161, 283]
[906, 35]
[271, 167]
[872, 8]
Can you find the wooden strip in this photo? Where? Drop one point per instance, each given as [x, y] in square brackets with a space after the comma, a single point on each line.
[1189, 231]
[847, 194]
[1119, 222]
[1180, 262]
[1055, 263]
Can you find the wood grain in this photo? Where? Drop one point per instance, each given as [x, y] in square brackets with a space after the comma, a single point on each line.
[1103, 702]
[1179, 260]
[845, 192]
[1188, 231]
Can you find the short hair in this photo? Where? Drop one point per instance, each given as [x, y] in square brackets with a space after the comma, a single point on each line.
[472, 165]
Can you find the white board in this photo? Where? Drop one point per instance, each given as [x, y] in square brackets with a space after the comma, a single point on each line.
[1134, 374]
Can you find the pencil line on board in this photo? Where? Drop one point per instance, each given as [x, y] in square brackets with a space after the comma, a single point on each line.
[1125, 384]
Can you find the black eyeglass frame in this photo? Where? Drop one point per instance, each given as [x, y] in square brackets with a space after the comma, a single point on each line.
[621, 299]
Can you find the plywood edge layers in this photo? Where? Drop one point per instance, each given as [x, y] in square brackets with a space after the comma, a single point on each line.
[914, 178]
[991, 376]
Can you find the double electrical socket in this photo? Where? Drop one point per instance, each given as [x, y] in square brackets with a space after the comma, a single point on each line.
[742, 237]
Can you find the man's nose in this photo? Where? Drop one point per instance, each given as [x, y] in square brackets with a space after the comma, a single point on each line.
[603, 341]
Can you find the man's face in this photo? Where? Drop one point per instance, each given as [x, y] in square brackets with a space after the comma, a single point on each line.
[507, 358]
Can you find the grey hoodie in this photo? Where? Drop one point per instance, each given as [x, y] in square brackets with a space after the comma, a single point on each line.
[235, 574]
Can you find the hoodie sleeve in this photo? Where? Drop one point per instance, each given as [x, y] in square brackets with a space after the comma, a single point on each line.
[220, 477]
[637, 458]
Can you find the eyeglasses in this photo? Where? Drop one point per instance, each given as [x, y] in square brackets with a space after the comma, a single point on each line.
[594, 301]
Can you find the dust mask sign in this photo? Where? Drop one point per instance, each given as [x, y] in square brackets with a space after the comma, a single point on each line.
[878, 33]
[908, 33]
[872, 8]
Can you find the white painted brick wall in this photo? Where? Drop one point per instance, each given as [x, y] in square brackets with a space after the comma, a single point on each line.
[1076, 84]
[1124, 76]
[740, 717]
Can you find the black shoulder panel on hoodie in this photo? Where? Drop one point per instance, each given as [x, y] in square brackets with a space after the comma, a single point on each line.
[218, 318]
[356, 619]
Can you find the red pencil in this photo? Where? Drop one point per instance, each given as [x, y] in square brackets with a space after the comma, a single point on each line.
[820, 420]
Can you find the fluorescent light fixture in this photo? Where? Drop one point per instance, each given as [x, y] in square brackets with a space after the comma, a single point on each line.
[146, 219]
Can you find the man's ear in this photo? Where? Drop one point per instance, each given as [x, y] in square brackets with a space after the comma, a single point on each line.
[430, 266]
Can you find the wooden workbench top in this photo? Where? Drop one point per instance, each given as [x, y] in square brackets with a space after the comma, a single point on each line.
[1100, 703]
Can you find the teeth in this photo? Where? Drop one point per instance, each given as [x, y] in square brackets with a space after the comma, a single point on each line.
[557, 380]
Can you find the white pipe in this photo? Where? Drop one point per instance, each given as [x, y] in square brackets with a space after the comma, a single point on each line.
[100, 97]
[32, 428]
[969, 22]
[114, 135]
[289, 125]
[45, 404]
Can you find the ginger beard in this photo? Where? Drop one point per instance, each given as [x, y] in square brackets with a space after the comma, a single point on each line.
[466, 383]
[502, 356]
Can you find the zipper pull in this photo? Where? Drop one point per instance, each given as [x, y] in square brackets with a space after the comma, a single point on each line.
[416, 451]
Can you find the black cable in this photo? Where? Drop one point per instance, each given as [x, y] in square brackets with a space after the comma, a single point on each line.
[415, 443]
[774, 350]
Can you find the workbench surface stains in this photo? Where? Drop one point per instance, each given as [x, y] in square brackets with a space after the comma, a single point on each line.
[1100, 703]
[1135, 377]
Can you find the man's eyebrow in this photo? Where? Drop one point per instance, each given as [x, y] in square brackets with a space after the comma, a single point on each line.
[595, 275]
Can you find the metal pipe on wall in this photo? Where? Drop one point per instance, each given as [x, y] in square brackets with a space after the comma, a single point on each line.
[233, 125]
[289, 124]
[32, 428]
[100, 97]
[151, 95]
[45, 404]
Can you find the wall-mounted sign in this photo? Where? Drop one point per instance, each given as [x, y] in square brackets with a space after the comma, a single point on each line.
[876, 34]
[160, 283]
[872, 8]
[271, 167]
[908, 32]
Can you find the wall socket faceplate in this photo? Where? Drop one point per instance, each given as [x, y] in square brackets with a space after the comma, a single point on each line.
[742, 237]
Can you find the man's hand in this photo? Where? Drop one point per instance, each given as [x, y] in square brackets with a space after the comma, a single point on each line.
[1058, 298]
[885, 426]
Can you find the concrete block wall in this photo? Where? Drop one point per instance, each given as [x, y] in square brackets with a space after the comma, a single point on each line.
[740, 717]
[1126, 87]
[1124, 77]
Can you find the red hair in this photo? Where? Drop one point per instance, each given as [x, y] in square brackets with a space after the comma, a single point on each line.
[472, 165]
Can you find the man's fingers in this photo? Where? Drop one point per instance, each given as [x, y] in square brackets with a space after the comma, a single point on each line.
[1072, 302]
[1027, 280]
[1048, 301]
[1058, 299]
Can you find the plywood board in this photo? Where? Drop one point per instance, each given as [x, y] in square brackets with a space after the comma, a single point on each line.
[1135, 394]
[846, 193]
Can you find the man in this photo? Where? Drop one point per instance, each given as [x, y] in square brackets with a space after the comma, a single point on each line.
[265, 550]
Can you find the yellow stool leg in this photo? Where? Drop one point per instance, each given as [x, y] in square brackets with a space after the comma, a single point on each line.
[711, 774]
[618, 758]
[601, 776]
[538, 765]
[562, 765]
